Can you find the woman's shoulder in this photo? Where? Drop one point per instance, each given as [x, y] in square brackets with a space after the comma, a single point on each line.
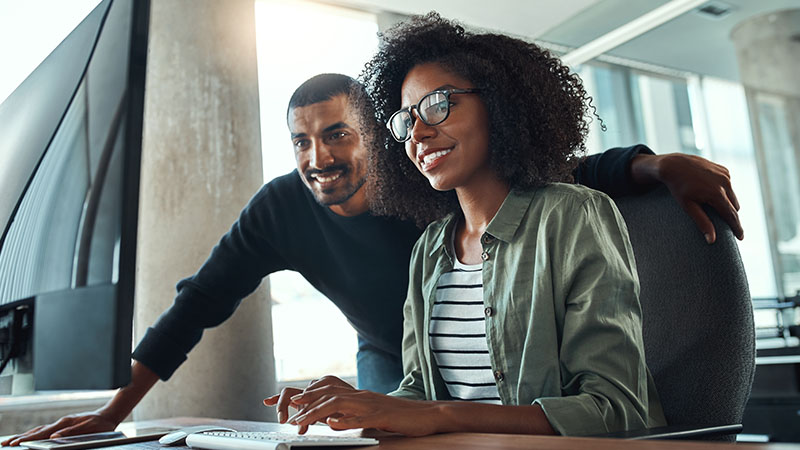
[574, 193]
[571, 200]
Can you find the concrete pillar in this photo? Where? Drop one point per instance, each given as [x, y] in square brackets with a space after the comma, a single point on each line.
[768, 50]
[201, 163]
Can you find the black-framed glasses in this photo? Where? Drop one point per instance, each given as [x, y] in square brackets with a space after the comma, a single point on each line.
[433, 109]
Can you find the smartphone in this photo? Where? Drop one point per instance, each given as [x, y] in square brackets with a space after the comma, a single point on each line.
[99, 439]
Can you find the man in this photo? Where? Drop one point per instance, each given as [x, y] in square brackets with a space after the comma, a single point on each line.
[316, 221]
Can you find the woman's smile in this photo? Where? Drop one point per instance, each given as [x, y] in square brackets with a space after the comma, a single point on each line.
[429, 159]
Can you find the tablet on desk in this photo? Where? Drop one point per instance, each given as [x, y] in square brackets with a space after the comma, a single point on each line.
[95, 440]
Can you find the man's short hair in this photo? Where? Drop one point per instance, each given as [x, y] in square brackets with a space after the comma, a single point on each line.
[321, 88]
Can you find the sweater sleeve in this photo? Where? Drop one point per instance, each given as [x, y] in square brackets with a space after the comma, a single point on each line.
[609, 171]
[233, 270]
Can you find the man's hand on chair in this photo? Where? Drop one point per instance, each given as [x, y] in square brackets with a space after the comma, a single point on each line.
[694, 182]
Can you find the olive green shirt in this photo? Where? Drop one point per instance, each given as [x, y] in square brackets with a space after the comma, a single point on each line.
[563, 319]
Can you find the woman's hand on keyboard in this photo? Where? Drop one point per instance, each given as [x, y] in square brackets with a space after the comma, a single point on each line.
[346, 408]
[284, 400]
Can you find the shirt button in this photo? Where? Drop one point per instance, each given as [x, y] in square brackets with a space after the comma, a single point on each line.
[485, 256]
[487, 238]
[489, 311]
[498, 375]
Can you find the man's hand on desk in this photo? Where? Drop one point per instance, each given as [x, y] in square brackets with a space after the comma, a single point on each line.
[91, 422]
[104, 419]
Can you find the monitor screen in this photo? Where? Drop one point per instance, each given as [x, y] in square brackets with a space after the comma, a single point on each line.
[70, 150]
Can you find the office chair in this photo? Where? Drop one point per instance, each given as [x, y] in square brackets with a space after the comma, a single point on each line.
[698, 329]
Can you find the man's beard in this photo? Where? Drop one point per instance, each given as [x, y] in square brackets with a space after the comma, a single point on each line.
[348, 190]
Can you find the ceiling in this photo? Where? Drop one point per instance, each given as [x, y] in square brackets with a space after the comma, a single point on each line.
[690, 42]
[528, 18]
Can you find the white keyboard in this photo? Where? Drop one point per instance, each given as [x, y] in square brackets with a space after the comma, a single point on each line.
[220, 440]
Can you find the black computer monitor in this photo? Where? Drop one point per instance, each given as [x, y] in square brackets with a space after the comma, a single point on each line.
[70, 151]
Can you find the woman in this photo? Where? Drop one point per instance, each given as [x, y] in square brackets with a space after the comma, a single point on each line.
[523, 296]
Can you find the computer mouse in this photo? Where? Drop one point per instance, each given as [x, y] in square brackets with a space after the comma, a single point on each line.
[178, 437]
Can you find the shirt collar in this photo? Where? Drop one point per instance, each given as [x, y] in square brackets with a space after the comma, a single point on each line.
[507, 221]
[440, 237]
[503, 226]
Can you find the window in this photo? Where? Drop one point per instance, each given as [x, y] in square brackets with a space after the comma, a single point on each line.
[297, 40]
[706, 117]
[730, 143]
[639, 107]
[779, 170]
[617, 105]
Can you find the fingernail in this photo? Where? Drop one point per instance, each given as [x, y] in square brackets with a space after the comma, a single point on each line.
[708, 238]
[281, 417]
[296, 397]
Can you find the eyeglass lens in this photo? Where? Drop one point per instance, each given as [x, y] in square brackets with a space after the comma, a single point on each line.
[432, 109]
[401, 124]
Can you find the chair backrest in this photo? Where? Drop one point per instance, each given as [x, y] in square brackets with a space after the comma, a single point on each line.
[698, 329]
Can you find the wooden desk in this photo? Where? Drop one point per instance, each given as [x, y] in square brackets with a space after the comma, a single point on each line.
[469, 441]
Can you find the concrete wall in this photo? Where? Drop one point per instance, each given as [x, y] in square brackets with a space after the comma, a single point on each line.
[768, 50]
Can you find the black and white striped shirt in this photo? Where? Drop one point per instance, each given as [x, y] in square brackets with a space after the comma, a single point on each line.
[458, 335]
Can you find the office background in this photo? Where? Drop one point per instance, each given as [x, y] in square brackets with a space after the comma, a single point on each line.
[715, 81]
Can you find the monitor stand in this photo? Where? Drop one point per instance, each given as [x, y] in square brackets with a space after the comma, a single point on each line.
[18, 382]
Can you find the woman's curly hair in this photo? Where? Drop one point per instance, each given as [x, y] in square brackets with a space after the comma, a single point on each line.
[538, 112]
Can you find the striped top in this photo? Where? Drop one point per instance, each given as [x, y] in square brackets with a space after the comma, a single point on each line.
[458, 335]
